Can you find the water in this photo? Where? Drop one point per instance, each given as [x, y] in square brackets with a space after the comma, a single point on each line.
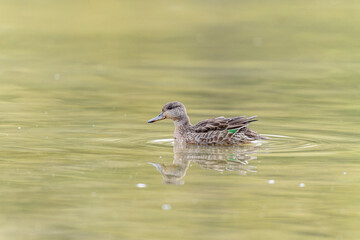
[79, 80]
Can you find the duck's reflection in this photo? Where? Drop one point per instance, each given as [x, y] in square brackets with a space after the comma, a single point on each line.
[207, 157]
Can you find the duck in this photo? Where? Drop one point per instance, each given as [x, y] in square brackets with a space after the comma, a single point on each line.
[214, 131]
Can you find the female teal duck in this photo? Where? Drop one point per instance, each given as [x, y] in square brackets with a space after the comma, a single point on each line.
[215, 131]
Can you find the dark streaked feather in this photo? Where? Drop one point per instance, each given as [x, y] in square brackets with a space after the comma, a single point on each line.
[222, 123]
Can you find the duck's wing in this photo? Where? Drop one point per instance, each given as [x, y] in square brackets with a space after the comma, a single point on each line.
[222, 123]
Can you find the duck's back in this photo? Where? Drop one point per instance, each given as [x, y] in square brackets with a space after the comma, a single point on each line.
[222, 131]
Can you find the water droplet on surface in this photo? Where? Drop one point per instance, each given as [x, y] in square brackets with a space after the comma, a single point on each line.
[302, 185]
[56, 76]
[166, 207]
[141, 185]
[272, 181]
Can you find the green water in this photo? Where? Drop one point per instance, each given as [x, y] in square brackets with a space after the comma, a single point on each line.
[80, 79]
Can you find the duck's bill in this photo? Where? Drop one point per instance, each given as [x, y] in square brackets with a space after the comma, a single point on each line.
[157, 165]
[158, 118]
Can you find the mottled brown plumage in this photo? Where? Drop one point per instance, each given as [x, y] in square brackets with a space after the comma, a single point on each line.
[213, 131]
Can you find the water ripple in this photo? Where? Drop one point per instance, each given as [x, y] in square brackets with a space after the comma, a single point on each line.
[275, 144]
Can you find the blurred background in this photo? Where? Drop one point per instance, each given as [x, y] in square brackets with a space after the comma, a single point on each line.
[79, 80]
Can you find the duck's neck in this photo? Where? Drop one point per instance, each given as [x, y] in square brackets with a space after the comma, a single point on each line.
[181, 127]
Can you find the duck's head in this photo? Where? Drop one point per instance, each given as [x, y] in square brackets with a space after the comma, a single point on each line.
[175, 111]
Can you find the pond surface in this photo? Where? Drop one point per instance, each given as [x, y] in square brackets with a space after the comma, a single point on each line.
[80, 79]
